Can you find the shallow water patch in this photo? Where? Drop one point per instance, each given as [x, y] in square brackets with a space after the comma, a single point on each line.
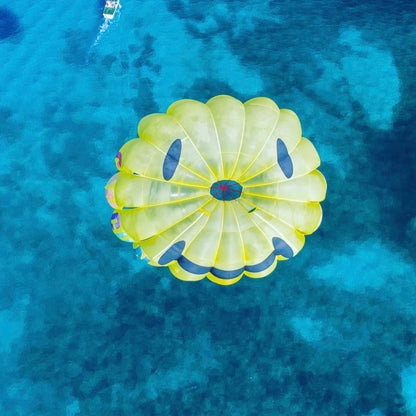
[372, 78]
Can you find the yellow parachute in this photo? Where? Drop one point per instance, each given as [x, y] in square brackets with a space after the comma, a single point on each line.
[218, 190]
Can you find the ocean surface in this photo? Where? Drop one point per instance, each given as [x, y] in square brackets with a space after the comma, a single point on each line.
[87, 328]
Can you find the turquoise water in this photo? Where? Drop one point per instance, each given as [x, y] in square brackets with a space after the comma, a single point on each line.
[86, 328]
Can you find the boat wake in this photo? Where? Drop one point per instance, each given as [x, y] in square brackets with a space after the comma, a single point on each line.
[103, 28]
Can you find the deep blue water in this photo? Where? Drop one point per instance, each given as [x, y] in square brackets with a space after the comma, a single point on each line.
[87, 328]
[9, 23]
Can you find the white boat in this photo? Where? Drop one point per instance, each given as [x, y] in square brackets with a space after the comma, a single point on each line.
[110, 8]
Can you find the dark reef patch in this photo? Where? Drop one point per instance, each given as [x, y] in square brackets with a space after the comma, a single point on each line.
[10, 128]
[77, 43]
[143, 102]
[9, 24]
[205, 88]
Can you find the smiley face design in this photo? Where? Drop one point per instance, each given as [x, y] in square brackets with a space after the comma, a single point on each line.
[218, 190]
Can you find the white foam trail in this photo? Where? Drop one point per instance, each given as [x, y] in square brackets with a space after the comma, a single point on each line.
[103, 28]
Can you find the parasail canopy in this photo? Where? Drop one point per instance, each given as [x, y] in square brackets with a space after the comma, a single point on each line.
[218, 190]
